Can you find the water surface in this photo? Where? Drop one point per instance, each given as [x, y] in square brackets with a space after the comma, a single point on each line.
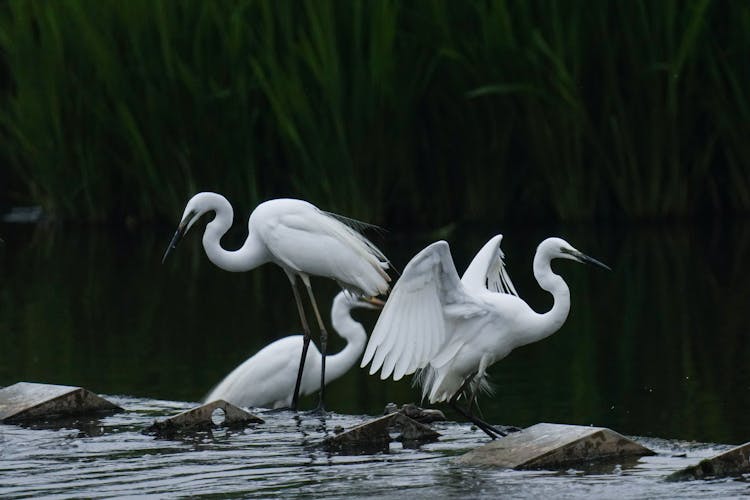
[111, 457]
[656, 348]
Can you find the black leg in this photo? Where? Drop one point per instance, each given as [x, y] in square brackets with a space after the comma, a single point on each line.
[305, 343]
[323, 346]
[487, 428]
[491, 431]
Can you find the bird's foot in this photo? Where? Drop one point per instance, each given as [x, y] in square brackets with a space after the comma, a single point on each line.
[496, 431]
[319, 411]
[491, 431]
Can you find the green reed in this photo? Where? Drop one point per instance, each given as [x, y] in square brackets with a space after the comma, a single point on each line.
[402, 113]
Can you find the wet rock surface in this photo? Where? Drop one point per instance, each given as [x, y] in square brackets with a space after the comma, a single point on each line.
[29, 402]
[734, 462]
[283, 459]
[375, 435]
[554, 446]
[414, 412]
[201, 418]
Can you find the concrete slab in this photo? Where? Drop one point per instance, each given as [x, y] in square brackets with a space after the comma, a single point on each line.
[200, 418]
[28, 401]
[375, 435]
[553, 446]
[734, 462]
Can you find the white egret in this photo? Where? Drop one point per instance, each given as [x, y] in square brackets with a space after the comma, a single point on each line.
[301, 239]
[452, 330]
[267, 378]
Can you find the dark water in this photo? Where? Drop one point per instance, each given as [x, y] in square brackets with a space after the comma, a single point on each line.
[658, 347]
[112, 458]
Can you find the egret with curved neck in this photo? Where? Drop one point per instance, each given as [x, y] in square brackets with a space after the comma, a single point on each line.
[452, 329]
[267, 378]
[301, 239]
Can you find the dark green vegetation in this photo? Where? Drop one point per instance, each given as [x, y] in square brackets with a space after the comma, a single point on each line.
[658, 346]
[402, 113]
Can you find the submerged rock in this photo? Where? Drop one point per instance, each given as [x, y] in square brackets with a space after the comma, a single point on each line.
[375, 435]
[734, 462]
[414, 412]
[29, 402]
[201, 419]
[554, 446]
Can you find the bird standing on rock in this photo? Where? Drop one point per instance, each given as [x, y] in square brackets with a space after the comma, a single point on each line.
[301, 239]
[452, 330]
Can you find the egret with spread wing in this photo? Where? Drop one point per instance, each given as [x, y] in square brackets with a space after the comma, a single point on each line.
[267, 378]
[301, 239]
[453, 329]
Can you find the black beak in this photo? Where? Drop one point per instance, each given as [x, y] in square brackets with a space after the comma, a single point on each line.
[590, 260]
[176, 238]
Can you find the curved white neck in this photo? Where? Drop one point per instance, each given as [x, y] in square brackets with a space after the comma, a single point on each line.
[249, 256]
[552, 320]
[356, 338]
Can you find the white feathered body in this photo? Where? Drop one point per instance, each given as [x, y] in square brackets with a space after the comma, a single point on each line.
[485, 338]
[267, 378]
[301, 238]
[450, 328]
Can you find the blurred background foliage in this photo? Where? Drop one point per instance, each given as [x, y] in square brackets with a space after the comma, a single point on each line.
[401, 113]
[408, 114]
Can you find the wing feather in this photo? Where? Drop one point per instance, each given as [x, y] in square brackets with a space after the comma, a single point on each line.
[412, 327]
[434, 341]
[326, 247]
[447, 353]
[346, 228]
[383, 358]
[422, 348]
[487, 269]
[405, 360]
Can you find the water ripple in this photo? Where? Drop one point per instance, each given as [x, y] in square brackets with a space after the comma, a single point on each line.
[111, 457]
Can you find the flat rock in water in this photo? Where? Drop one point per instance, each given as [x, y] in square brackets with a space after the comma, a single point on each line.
[28, 401]
[201, 418]
[553, 446]
[734, 462]
[374, 435]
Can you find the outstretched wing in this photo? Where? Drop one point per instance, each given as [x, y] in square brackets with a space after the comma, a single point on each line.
[412, 327]
[487, 269]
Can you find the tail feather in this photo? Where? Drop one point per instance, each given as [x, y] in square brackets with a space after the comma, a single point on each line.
[348, 230]
[439, 385]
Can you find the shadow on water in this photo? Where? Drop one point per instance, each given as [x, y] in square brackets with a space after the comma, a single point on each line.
[657, 347]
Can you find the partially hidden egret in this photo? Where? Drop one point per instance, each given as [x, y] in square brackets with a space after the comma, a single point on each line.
[452, 329]
[267, 378]
[301, 239]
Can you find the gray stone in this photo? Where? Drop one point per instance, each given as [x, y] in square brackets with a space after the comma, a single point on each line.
[375, 436]
[28, 402]
[421, 415]
[554, 446]
[734, 462]
[200, 418]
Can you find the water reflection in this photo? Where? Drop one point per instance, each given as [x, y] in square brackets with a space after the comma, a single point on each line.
[658, 347]
[86, 426]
